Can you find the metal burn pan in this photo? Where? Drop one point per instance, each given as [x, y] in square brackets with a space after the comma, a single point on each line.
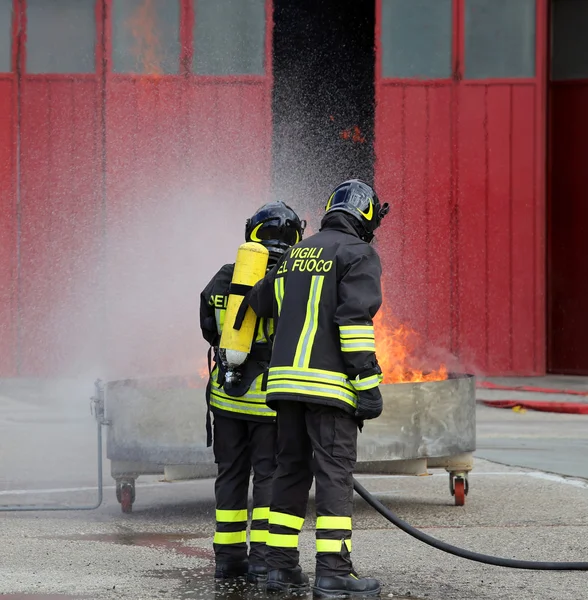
[157, 426]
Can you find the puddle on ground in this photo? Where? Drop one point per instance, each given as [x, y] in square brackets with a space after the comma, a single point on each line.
[42, 597]
[200, 585]
[165, 541]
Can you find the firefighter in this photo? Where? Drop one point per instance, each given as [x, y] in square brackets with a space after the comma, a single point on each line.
[244, 427]
[323, 382]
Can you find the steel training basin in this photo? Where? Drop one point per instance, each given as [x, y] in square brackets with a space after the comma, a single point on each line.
[157, 426]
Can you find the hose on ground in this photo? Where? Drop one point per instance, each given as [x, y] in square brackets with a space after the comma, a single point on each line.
[497, 561]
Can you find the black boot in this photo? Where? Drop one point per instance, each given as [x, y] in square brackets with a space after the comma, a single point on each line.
[229, 570]
[345, 586]
[257, 573]
[287, 580]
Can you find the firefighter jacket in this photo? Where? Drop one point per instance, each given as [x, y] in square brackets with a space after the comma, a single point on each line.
[323, 295]
[247, 399]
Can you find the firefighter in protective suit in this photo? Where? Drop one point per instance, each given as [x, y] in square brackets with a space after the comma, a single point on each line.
[244, 426]
[323, 382]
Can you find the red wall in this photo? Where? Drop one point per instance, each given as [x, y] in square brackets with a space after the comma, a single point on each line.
[109, 157]
[115, 171]
[60, 198]
[8, 217]
[462, 163]
[177, 152]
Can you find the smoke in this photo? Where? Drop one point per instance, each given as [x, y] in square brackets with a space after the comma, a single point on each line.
[128, 306]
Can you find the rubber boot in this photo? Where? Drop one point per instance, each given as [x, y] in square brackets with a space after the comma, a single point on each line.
[257, 574]
[287, 580]
[229, 570]
[345, 586]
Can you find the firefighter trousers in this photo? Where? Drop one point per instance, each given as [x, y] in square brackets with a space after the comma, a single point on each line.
[317, 439]
[240, 445]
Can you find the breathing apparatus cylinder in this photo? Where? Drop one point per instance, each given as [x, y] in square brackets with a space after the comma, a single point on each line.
[238, 330]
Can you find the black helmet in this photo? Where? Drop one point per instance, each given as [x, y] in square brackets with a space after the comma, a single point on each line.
[358, 199]
[276, 226]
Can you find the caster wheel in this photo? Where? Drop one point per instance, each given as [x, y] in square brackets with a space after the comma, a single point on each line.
[459, 487]
[459, 491]
[125, 494]
[126, 499]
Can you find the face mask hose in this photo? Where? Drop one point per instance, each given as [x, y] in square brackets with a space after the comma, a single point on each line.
[461, 552]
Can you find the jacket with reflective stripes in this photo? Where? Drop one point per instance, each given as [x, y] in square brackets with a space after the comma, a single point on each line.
[323, 295]
[248, 400]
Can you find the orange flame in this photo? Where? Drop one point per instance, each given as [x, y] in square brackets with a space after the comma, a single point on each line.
[203, 371]
[354, 134]
[396, 349]
[147, 45]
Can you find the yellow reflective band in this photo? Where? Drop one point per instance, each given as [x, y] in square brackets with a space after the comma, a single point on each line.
[279, 540]
[244, 408]
[279, 292]
[260, 513]
[358, 346]
[219, 315]
[231, 516]
[258, 535]
[276, 386]
[333, 523]
[308, 374]
[358, 330]
[236, 537]
[360, 349]
[370, 212]
[253, 394]
[308, 333]
[329, 202]
[261, 331]
[366, 384]
[333, 546]
[253, 235]
[278, 518]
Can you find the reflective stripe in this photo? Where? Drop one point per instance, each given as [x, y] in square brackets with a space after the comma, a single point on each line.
[280, 540]
[261, 330]
[244, 408]
[251, 403]
[279, 292]
[308, 374]
[236, 537]
[299, 387]
[260, 513]
[358, 346]
[367, 383]
[356, 330]
[333, 523]
[231, 516]
[304, 347]
[258, 535]
[278, 518]
[252, 395]
[333, 546]
[219, 315]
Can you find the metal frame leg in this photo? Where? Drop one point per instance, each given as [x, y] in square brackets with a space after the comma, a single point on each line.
[97, 408]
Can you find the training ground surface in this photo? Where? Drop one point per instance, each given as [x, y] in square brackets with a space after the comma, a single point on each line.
[163, 549]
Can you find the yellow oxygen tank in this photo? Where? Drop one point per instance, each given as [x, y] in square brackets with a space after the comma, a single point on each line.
[250, 267]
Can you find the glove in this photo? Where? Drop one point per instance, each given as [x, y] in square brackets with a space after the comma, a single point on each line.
[369, 404]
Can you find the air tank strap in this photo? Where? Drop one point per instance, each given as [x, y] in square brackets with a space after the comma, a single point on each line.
[240, 316]
[208, 419]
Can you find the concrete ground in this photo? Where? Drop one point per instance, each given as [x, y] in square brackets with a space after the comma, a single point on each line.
[520, 508]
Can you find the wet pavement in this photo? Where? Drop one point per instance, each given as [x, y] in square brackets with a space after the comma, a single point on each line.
[164, 548]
